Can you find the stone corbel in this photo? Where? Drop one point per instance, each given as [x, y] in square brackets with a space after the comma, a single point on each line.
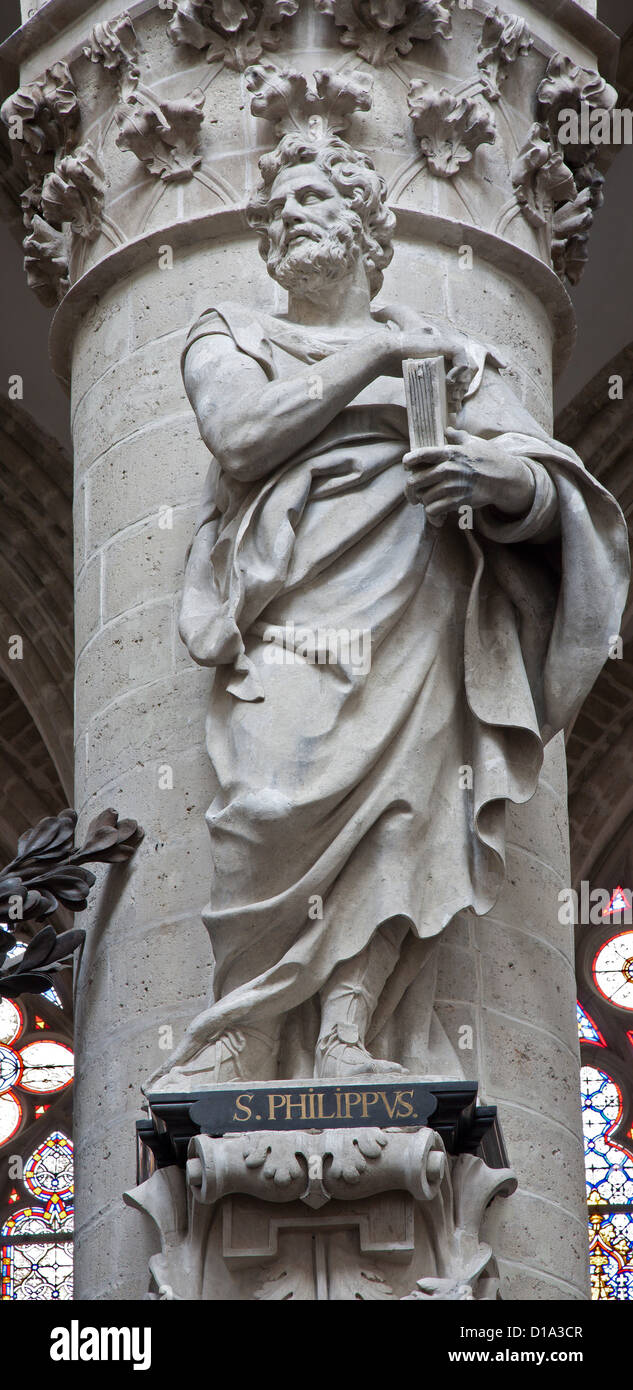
[449, 128]
[382, 30]
[236, 32]
[318, 1184]
[504, 39]
[283, 97]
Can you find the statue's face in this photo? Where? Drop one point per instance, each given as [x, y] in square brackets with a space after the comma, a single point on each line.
[314, 235]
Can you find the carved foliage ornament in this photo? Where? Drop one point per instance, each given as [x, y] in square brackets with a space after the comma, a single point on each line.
[114, 44]
[283, 97]
[235, 31]
[66, 189]
[380, 30]
[450, 128]
[558, 185]
[504, 39]
[164, 135]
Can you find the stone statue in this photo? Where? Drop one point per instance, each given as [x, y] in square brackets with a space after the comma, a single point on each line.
[395, 635]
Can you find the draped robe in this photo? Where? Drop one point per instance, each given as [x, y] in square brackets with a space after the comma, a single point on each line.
[351, 797]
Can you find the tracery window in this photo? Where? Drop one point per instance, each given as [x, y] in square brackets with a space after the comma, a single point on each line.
[36, 1157]
[605, 1027]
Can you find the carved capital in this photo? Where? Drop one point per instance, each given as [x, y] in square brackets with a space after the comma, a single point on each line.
[450, 128]
[284, 97]
[381, 30]
[236, 32]
[504, 39]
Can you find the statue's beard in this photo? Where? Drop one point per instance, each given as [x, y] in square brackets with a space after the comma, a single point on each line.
[303, 267]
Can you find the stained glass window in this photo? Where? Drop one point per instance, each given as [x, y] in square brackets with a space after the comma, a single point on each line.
[613, 970]
[36, 1241]
[611, 1255]
[609, 1167]
[36, 1169]
[587, 1031]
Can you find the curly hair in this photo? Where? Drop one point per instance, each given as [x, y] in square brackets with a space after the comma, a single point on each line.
[354, 177]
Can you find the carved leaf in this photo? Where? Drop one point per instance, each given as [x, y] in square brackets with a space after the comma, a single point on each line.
[114, 44]
[541, 178]
[75, 192]
[163, 135]
[450, 129]
[567, 87]
[234, 31]
[284, 97]
[45, 113]
[380, 30]
[504, 39]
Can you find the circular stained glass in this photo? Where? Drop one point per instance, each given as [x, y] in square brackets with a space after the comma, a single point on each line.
[48, 1066]
[11, 1021]
[10, 1069]
[613, 970]
[10, 1116]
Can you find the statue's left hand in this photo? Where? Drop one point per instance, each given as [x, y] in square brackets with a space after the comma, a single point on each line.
[468, 471]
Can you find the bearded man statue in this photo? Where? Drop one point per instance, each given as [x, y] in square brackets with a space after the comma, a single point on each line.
[345, 837]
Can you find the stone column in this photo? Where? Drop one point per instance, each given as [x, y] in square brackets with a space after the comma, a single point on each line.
[139, 151]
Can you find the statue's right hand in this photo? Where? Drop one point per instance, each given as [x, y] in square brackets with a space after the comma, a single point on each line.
[410, 335]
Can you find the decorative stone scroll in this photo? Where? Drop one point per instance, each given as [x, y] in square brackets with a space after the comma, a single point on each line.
[450, 128]
[504, 39]
[284, 1185]
[236, 32]
[381, 30]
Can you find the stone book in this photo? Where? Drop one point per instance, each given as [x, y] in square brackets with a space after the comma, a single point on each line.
[427, 409]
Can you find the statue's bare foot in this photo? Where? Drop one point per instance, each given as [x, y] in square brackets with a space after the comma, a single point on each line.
[341, 1053]
[238, 1055]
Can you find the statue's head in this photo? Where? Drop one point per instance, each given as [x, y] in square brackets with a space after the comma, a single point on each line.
[319, 209]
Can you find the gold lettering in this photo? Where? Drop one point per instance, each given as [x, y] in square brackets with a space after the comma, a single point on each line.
[339, 1100]
[239, 1104]
[404, 1113]
[389, 1108]
[369, 1098]
[351, 1098]
[319, 1115]
[299, 1104]
[274, 1100]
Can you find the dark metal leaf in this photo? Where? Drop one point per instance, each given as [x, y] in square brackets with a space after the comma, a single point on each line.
[27, 982]
[51, 839]
[108, 840]
[7, 942]
[40, 949]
